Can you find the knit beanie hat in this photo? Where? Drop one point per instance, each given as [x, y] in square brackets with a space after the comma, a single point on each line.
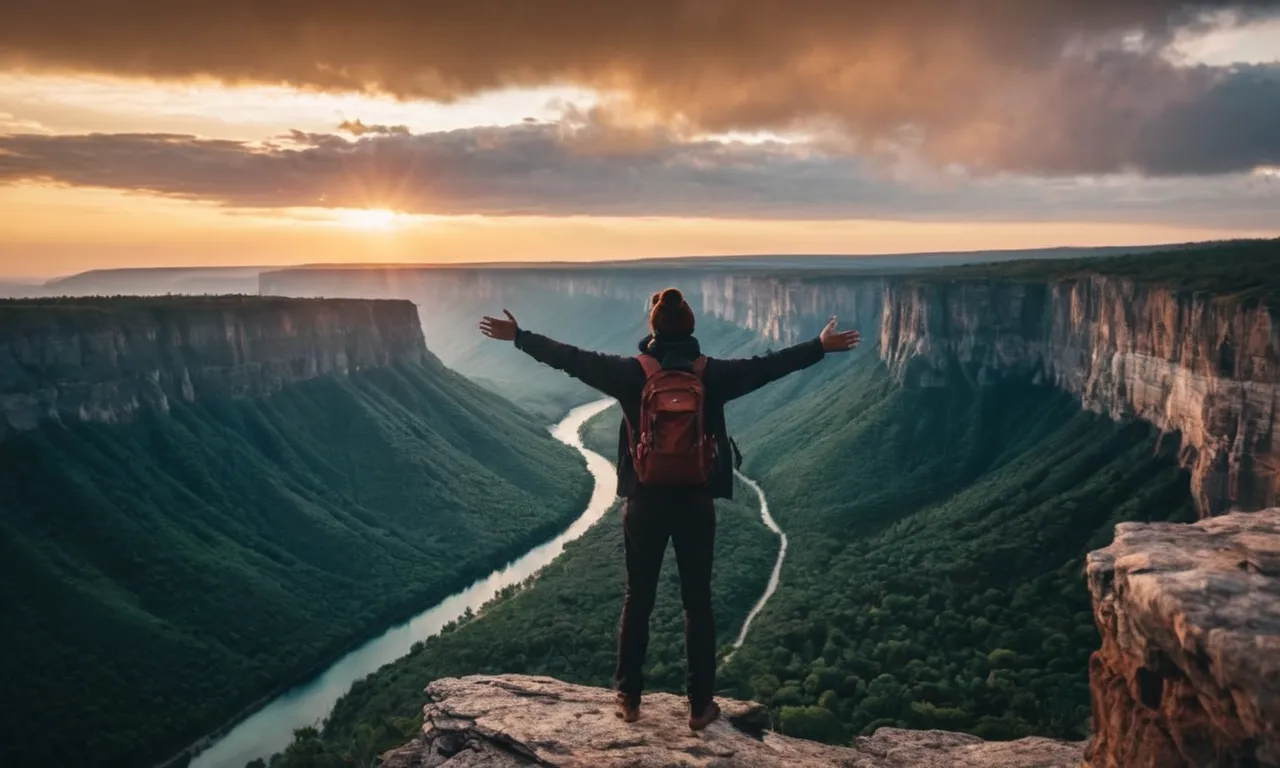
[670, 314]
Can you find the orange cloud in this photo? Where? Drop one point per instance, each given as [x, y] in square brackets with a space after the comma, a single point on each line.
[554, 169]
[1040, 86]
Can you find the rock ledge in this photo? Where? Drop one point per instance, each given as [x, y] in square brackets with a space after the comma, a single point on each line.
[512, 721]
[1189, 670]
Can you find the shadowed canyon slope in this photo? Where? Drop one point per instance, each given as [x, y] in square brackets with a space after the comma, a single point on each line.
[206, 498]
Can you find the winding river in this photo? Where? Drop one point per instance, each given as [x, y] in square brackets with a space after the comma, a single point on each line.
[271, 728]
[776, 575]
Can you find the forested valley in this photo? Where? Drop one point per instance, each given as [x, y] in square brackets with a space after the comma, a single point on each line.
[937, 537]
[953, 523]
[160, 575]
[560, 623]
[933, 578]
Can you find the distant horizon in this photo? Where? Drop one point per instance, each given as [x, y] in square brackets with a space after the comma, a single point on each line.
[41, 281]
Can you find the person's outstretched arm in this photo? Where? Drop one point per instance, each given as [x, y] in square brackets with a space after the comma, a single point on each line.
[735, 378]
[611, 374]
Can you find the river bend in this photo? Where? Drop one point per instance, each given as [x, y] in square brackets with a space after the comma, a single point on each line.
[270, 729]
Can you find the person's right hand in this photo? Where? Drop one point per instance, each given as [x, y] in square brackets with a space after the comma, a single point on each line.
[497, 328]
[838, 341]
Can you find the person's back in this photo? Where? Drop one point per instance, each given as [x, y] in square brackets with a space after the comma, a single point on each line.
[666, 501]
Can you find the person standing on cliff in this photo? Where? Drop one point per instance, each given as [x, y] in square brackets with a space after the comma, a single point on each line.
[654, 512]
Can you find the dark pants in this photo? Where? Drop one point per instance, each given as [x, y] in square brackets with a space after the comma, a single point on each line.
[690, 522]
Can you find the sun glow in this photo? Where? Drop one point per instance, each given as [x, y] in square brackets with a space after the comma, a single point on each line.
[367, 218]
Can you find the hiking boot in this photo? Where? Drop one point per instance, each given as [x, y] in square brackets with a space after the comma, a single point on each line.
[700, 720]
[627, 707]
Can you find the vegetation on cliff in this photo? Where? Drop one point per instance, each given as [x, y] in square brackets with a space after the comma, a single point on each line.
[933, 579]
[1239, 269]
[157, 576]
[938, 537]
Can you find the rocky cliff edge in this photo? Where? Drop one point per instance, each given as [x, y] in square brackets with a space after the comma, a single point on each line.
[511, 721]
[1188, 675]
[1189, 669]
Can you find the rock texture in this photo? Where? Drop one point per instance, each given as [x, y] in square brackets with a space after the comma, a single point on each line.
[104, 359]
[513, 720]
[1204, 367]
[1189, 669]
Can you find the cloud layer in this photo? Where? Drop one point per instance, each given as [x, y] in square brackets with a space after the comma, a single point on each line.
[584, 167]
[1030, 86]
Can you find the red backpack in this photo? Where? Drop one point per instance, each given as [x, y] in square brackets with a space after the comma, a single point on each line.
[672, 448]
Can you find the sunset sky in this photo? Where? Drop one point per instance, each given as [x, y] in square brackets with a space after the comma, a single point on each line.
[145, 133]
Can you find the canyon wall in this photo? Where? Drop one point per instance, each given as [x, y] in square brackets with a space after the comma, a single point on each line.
[105, 359]
[1205, 367]
[790, 310]
[784, 309]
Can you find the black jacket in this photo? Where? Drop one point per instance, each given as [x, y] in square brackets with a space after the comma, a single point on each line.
[623, 378]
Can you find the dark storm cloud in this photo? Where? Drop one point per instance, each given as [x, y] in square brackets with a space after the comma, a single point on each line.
[1046, 86]
[1234, 123]
[1109, 116]
[586, 168]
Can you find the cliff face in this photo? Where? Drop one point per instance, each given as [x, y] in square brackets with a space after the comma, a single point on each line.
[781, 309]
[509, 721]
[104, 359]
[1203, 367]
[1189, 669]
[791, 310]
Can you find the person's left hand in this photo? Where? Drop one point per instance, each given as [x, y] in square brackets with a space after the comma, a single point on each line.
[502, 330]
[838, 341]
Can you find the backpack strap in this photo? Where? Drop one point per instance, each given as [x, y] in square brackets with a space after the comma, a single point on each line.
[650, 365]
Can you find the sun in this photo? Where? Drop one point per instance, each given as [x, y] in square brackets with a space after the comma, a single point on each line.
[367, 218]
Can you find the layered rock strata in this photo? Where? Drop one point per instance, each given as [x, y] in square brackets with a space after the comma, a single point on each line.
[1205, 367]
[1189, 669]
[106, 359]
